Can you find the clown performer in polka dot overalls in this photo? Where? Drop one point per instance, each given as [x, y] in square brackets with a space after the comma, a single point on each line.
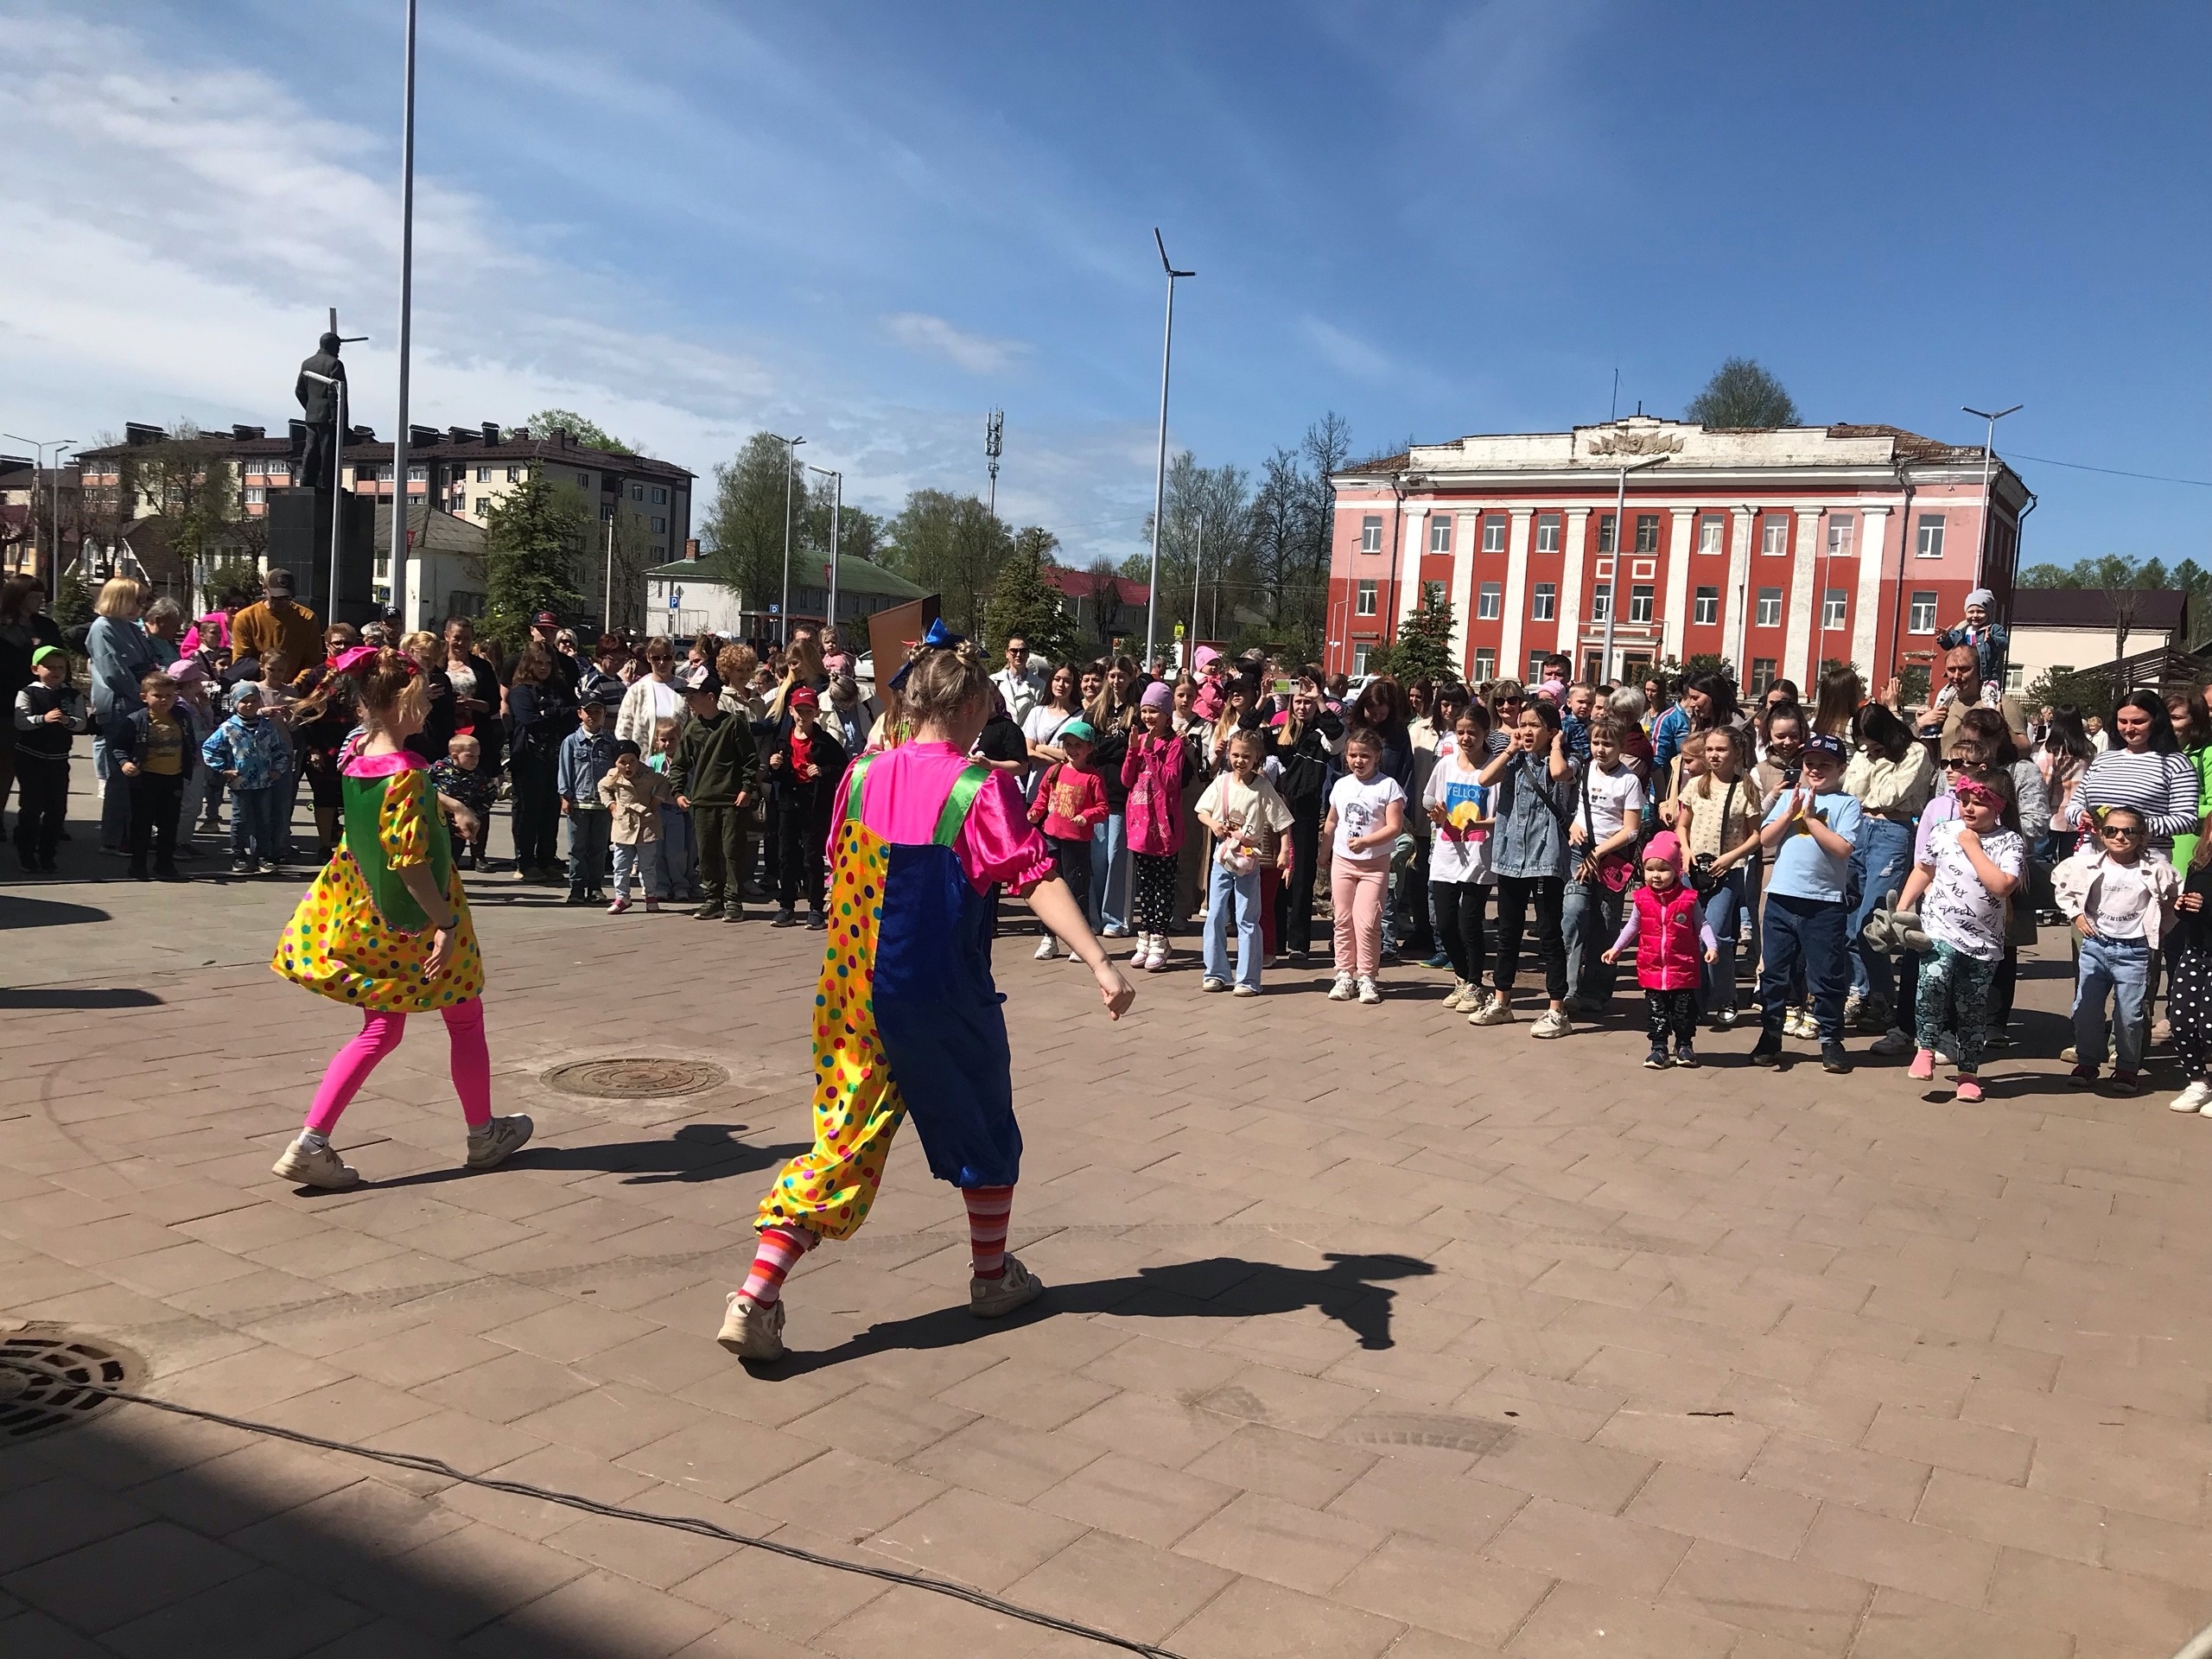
[385, 928]
[907, 1018]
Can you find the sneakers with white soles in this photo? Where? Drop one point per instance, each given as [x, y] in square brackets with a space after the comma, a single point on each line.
[1370, 992]
[751, 1331]
[502, 1138]
[994, 1298]
[2193, 1098]
[1343, 991]
[319, 1167]
[1551, 1023]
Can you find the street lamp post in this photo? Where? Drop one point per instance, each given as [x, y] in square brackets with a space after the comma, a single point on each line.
[54, 501]
[1160, 472]
[1988, 466]
[1620, 551]
[791, 461]
[399, 552]
[837, 511]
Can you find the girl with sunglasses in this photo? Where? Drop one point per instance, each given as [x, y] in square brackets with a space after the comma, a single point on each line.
[2118, 895]
[1973, 862]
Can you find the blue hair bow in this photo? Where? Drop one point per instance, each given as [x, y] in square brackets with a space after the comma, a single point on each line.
[939, 637]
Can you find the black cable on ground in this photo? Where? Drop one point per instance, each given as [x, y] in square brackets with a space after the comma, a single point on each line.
[592, 1506]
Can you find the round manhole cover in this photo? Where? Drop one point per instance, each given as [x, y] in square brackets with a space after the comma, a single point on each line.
[636, 1080]
[50, 1379]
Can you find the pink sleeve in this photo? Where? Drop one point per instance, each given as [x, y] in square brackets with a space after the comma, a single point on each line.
[998, 843]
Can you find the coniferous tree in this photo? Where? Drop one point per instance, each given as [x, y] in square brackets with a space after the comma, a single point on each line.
[533, 542]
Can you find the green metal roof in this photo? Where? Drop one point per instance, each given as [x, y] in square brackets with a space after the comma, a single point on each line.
[854, 575]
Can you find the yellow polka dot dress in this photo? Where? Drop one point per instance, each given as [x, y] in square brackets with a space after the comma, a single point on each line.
[358, 937]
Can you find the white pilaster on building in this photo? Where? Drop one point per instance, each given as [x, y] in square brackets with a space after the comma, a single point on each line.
[1735, 597]
[1410, 553]
[1679, 554]
[1463, 533]
[1570, 587]
[1799, 642]
[1867, 607]
[1516, 595]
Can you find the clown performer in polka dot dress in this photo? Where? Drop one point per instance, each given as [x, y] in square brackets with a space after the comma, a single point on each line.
[907, 1018]
[385, 928]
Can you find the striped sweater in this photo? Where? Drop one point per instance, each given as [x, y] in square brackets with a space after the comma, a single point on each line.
[2161, 787]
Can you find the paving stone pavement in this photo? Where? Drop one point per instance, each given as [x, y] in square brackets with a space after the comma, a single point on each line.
[1370, 1333]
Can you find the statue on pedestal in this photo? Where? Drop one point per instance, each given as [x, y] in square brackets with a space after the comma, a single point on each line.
[317, 390]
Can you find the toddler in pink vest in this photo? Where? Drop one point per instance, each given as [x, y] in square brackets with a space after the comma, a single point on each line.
[1666, 924]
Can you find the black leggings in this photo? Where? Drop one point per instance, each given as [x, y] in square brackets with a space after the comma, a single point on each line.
[1515, 894]
[1152, 891]
[1294, 898]
[1072, 859]
[1460, 925]
[1674, 1011]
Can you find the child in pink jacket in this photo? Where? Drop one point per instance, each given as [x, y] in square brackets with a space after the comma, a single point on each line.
[1666, 924]
[1153, 772]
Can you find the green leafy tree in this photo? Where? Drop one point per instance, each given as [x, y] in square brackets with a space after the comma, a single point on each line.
[587, 433]
[1701, 662]
[534, 542]
[231, 575]
[1423, 648]
[1022, 601]
[952, 545]
[1742, 394]
[746, 525]
[72, 602]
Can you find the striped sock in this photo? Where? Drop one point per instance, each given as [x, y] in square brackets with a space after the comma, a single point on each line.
[780, 1249]
[989, 1209]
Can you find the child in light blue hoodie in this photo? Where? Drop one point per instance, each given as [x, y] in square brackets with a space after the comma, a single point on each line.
[253, 755]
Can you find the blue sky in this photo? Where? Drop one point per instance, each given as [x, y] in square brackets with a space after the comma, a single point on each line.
[870, 223]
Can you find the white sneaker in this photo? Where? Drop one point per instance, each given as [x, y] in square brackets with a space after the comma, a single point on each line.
[1212, 984]
[994, 1298]
[1046, 949]
[1157, 962]
[1498, 1011]
[1240, 989]
[1369, 990]
[1113, 931]
[1893, 1042]
[1551, 1023]
[752, 1332]
[1343, 991]
[321, 1167]
[2193, 1098]
[501, 1139]
[1455, 999]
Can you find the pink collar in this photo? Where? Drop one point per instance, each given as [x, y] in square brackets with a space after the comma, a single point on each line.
[383, 765]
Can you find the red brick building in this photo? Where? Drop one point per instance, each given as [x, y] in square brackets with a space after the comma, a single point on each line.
[1774, 549]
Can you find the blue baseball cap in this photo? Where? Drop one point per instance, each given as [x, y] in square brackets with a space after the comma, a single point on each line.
[1821, 743]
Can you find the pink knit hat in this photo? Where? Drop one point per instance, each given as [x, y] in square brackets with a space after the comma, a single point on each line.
[1159, 695]
[1667, 848]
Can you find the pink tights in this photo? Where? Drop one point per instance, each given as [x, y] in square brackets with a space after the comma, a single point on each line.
[380, 1035]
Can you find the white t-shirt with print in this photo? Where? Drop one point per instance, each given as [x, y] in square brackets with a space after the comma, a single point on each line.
[1612, 795]
[1361, 809]
[1457, 856]
[1256, 806]
[1957, 910]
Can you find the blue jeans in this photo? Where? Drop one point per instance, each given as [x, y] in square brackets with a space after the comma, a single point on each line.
[1723, 907]
[1110, 874]
[588, 834]
[1590, 918]
[1807, 932]
[1880, 860]
[677, 870]
[641, 859]
[2119, 969]
[1221, 888]
[257, 823]
[115, 797]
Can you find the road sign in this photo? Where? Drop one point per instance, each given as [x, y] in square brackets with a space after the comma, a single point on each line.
[1179, 630]
[675, 593]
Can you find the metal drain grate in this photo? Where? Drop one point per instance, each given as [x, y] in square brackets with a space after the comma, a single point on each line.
[50, 1379]
[636, 1080]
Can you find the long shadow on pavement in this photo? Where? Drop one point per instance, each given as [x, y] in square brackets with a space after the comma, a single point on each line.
[697, 1152]
[1218, 1287]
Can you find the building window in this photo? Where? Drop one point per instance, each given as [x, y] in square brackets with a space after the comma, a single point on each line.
[1639, 603]
[1923, 617]
[483, 474]
[607, 512]
[1440, 534]
[1708, 533]
[1536, 665]
[1647, 532]
[1485, 664]
[1835, 605]
[255, 495]
[1543, 603]
[1840, 527]
[1774, 536]
[460, 503]
[637, 491]
[660, 526]
[1493, 535]
[278, 471]
[1370, 533]
[1769, 614]
[1601, 601]
[583, 480]
[1359, 655]
[418, 473]
[514, 475]
[660, 497]
[1489, 602]
[1707, 611]
[1364, 604]
[1763, 676]
[1604, 532]
[1548, 533]
[1931, 535]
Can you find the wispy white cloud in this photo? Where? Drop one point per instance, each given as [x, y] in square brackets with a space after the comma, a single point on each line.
[919, 330]
[1345, 351]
